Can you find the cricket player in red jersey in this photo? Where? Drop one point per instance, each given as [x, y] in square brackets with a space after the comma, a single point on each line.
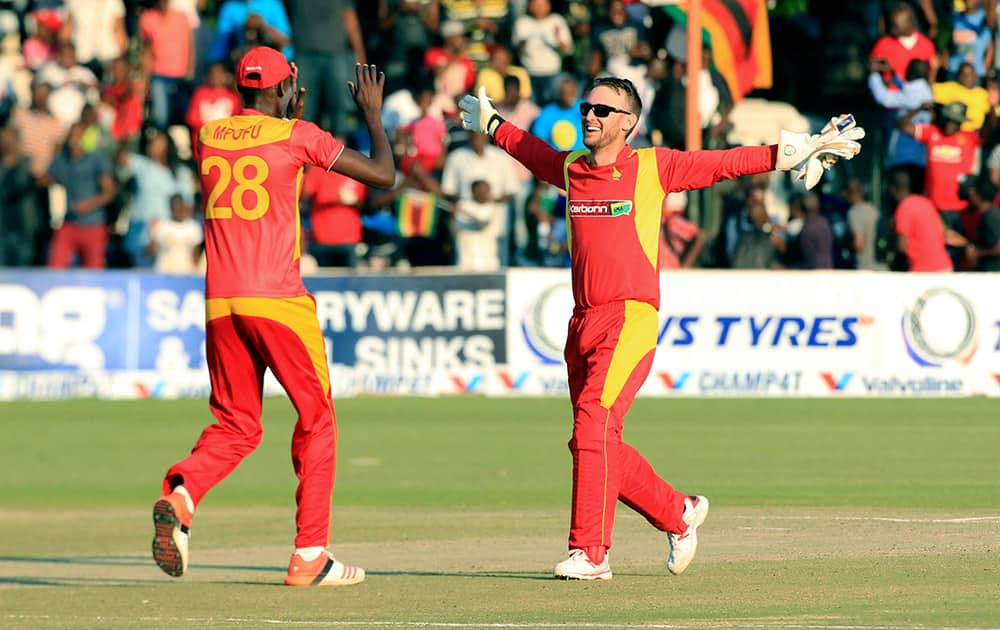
[614, 199]
[258, 313]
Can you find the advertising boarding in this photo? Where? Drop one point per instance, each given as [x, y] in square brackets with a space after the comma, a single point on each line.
[140, 335]
[783, 334]
[776, 334]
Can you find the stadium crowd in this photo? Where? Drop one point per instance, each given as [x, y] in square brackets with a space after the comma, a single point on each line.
[100, 100]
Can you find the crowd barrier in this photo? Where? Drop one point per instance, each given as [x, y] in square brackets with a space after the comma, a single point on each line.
[775, 334]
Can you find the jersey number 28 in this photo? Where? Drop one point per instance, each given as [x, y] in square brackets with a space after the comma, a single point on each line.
[238, 171]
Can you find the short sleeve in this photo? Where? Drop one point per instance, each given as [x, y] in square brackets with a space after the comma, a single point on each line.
[146, 30]
[922, 132]
[312, 145]
[104, 166]
[904, 219]
[855, 220]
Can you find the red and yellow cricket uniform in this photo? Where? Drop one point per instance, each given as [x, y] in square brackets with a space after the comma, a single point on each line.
[258, 312]
[613, 215]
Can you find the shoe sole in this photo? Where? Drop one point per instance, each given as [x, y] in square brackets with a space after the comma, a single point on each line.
[587, 577]
[166, 553]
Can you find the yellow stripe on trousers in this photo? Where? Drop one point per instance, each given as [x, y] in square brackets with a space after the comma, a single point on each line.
[636, 339]
[298, 314]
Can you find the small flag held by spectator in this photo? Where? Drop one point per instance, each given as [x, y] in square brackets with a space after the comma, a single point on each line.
[416, 213]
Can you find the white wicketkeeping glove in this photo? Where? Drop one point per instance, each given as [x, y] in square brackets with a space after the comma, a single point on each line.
[478, 113]
[808, 156]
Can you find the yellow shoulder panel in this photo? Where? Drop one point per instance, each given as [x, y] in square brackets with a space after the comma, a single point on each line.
[245, 132]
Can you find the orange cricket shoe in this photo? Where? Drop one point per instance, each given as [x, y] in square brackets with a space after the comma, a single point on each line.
[172, 524]
[325, 570]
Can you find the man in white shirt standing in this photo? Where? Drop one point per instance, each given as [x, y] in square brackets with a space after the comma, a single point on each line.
[482, 162]
[98, 31]
[542, 39]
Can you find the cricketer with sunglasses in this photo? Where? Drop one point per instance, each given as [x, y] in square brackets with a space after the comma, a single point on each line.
[614, 199]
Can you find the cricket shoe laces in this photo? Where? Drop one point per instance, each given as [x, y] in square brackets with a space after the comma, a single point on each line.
[579, 567]
[324, 570]
[684, 545]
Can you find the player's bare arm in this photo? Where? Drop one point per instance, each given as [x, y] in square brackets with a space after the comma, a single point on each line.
[379, 170]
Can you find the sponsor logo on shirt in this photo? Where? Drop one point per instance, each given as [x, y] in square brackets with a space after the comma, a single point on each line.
[600, 208]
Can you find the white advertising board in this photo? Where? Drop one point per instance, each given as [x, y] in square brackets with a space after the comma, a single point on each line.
[783, 334]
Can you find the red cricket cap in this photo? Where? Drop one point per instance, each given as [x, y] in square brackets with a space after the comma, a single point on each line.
[49, 18]
[261, 68]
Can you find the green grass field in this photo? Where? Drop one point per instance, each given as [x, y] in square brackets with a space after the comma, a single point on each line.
[825, 514]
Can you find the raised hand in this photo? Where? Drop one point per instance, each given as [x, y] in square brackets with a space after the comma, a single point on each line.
[367, 88]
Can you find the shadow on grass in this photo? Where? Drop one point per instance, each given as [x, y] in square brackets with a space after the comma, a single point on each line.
[511, 575]
[75, 581]
[134, 561]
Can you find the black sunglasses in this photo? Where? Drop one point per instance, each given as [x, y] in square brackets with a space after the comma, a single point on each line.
[601, 111]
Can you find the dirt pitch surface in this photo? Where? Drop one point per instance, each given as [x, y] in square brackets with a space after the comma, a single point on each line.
[822, 568]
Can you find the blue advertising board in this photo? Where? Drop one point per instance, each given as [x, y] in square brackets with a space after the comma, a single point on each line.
[97, 323]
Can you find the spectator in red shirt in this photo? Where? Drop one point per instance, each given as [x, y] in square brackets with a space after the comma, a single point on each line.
[681, 241]
[335, 209]
[168, 46]
[125, 95]
[213, 100]
[903, 44]
[921, 235]
[951, 155]
[453, 69]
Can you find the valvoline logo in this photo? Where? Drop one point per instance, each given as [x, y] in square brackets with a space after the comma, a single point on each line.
[513, 382]
[674, 384]
[467, 387]
[837, 383]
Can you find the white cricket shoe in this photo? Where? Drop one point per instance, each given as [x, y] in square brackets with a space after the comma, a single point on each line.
[683, 546]
[579, 567]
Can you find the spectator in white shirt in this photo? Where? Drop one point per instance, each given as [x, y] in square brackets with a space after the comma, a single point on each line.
[98, 31]
[542, 39]
[477, 224]
[176, 242]
[481, 161]
[72, 85]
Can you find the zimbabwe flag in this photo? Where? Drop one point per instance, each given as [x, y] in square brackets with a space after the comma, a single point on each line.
[740, 39]
[416, 213]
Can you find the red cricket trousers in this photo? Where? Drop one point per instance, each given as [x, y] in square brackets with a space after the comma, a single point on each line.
[244, 336]
[609, 351]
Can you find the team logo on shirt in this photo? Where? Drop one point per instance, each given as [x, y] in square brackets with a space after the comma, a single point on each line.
[600, 208]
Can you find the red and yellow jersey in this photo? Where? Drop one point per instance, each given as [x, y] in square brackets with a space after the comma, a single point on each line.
[251, 174]
[613, 211]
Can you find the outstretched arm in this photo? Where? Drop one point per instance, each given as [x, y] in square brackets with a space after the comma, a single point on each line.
[689, 170]
[544, 162]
